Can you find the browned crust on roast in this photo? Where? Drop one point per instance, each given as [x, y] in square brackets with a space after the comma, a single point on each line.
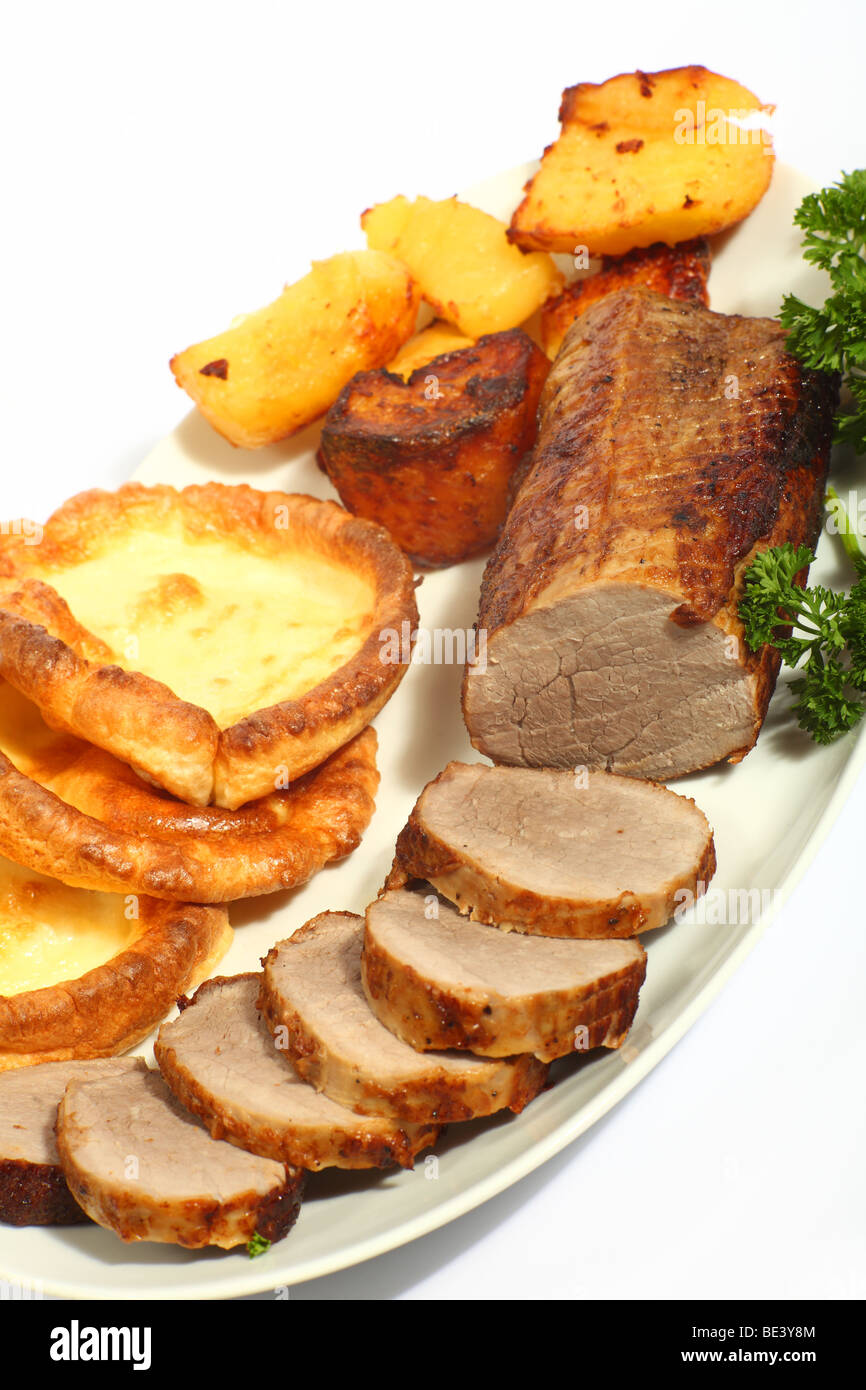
[437, 471]
[429, 1016]
[754, 505]
[36, 1194]
[419, 855]
[698, 537]
[141, 720]
[205, 1221]
[419, 1103]
[444, 1026]
[346, 1150]
[680, 272]
[110, 1009]
[139, 839]
[245, 1216]
[278, 1213]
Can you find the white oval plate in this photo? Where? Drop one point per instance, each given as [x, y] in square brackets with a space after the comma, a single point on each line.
[770, 814]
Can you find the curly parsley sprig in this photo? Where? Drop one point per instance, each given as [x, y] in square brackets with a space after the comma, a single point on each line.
[818, 631]
[833, 338]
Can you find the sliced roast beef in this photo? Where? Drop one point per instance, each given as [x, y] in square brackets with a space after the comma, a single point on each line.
[673, 444]
[438, 980]
[142, 1166]
[33, 1190]
[313, 999]
[220, 1061]
[554, 853]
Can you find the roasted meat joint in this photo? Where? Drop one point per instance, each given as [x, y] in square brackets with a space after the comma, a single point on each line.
[674, 444]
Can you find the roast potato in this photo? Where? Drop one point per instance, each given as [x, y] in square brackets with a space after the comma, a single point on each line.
[434, 340]
[277, 369]
[646, 157]
[463, 262]
[680, 272]
[434, 458]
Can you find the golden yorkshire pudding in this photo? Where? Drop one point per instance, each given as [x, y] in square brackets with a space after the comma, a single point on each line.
[90, 974]
[222, 641]
[79, 814]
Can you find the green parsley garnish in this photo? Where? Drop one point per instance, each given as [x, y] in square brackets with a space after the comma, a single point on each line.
[833, 338]
[818, 631]
[257, 1245]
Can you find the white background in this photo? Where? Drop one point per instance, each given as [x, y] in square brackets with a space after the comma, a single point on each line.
[169, 165]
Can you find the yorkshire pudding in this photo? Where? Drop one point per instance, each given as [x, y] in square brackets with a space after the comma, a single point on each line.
[89, 974]
[79, 814]
[223, 641]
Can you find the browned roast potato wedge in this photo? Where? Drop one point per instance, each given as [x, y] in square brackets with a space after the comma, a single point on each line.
[646, 157]
[273, 371]
[433, 458]
[436, 339]
[462, 262]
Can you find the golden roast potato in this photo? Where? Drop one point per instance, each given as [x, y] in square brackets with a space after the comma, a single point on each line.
[438, 337]
[276, 370]
[462, 262]
[645, 157]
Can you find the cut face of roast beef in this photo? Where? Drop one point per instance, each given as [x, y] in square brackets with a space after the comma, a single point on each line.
[139, 1164]
[673, 444]
[558, 854]
[222, 1063]
[438, 980]
[312, 991]
[33, 1190]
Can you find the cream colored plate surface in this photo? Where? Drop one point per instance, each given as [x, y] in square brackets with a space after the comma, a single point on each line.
[770, 814]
